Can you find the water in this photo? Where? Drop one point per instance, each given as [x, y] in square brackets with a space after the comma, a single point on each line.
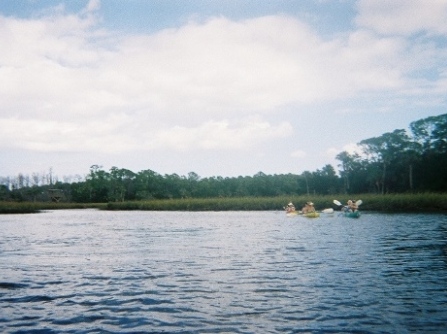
[88, 271]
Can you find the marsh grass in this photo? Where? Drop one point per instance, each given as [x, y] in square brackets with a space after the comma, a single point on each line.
[424, 202]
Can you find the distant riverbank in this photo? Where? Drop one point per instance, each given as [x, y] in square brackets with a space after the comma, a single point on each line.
[425, 202]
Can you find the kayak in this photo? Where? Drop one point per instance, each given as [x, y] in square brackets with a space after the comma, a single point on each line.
[328, 211]
[299, 213]
[350, 214]
[311, 215]
[292, 214]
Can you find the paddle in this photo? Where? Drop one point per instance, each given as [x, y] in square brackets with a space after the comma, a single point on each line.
[358, 203]
[337, 202]
[330, 210]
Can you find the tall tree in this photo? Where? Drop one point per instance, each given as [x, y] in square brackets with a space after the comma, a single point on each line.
[121, 184]
[431, 134]
[385, 149]
[97, 183]
[347, 168]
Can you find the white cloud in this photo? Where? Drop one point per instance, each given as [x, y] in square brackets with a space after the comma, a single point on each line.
[219, 135]
[210, 85]
[332, 152]
[352, 148]
[58, 136]
[404, 17]
[114, 135]
[93, 5]
[300, 154]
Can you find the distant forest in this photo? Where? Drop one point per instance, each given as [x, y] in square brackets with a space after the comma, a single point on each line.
[401, 161]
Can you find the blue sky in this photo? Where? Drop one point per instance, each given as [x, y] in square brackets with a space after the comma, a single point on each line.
[222, 88]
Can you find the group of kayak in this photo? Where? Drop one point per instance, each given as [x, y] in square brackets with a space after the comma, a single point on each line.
[350, 210]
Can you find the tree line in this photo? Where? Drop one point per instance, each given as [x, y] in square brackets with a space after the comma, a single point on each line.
[395, 162]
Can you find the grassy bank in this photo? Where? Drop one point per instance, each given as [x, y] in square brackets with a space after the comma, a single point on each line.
[427, 202]
[384, 203]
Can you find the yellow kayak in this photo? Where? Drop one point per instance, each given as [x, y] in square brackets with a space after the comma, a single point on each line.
[299, 213]
[311, 215]
[292, 214]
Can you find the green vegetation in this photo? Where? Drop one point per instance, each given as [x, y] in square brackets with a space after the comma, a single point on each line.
[424, 202]
[428, 202]
[202, 204]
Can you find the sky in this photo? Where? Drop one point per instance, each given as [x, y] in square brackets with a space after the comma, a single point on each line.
[219, 88]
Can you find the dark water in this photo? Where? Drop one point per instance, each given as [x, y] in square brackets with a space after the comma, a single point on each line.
[222, 272]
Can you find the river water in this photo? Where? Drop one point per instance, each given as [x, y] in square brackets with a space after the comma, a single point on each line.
[89, 271]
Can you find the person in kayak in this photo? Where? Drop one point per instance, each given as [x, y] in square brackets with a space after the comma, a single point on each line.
[351, 207]
[308, 208]
[290, 207]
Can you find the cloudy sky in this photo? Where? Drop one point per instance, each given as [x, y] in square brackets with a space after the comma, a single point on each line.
[220, 88]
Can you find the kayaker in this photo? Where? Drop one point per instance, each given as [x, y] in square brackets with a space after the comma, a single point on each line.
[352, 206]
[290, 207]
[308, 208]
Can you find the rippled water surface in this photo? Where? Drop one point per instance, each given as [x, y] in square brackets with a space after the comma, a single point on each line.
[79, 271]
